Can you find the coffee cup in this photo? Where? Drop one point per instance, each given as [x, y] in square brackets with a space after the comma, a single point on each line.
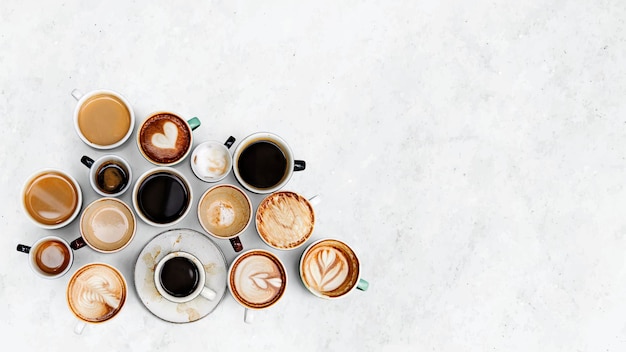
[263, 163]
[162, 196]
[95, 294]
[330, 269]
[165, 139]
[103, 119]
[257, 279]
[50, 257]
[211, 160]
[109, 175]
[51, 198]
[285, 220]
[107, 225]
[224, 212]
[180, 277]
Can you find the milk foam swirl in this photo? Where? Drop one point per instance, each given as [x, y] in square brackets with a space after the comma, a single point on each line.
[326, 269]
[96, 293]
[285, 220]
[258, 279]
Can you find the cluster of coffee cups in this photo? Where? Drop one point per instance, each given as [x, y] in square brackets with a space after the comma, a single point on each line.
[262, 163]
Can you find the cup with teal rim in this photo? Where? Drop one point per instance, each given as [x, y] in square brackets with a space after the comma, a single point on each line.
[165, 138]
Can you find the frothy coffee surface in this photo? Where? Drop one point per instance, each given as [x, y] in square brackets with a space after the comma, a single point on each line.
[330, 268]
[107, 224]
[96, 293]
[51, 198]
[165, 138]
[258, 280]
[104, 119]
[224, 211]
[210, 161]
[285, 220]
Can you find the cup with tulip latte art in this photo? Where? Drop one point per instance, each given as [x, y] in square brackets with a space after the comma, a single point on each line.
[330, 269]
[95, 294]
[257, 279]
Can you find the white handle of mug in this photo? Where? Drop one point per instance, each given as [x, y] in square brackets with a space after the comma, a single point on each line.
[208, 293]
[315, 200]
[77, 94]
[248, 316]
[79, 327]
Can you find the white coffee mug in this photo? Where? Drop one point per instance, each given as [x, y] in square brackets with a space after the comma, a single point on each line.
[173, 282]
[107, 167]
[50, 257]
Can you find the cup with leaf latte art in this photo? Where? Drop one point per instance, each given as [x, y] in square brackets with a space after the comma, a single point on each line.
[330, 269]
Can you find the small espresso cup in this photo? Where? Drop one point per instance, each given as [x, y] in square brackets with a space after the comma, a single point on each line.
[330, 269]
[180, 277]
[162, 196]
[165, 139]
[103, 119]
[50, 257]
[263, 163]
[211, 160]
[109, 175]
[95, 294]
[225, 211]
[257, 279]
[285, 220]
[107, 225]
[51, 198]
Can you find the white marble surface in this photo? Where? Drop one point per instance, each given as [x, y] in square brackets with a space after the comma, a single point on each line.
[472, 152]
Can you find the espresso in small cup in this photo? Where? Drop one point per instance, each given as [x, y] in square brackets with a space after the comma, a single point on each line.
[330, 269]
[109, 175]
[180, 277]
[165, 138]
[50, 257]
[225, 211]
[211, 160]
[96, 293]
[257, 279]
[162, 196]
[263, 163]
[103, 119]
[51, 198]
[285, 220]
[107, 225]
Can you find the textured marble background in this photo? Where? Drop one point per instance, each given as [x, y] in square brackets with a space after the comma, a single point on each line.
[472, 153]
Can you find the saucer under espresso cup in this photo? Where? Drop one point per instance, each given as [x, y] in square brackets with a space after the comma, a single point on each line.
[103, 119]
[263, 163]
[165, 139]
[211, 160]
[107, 225]
[330, 269]
[95, 294]
[51, 198]
[109, 175]
[257, 279]
[50, 257]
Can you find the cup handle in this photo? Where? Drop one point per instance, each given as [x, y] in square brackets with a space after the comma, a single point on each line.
[299, 165]
[208, 293]
[315, 200]
[248, 316]
[77, 94]
[79, 327]
[194, 123]
[87, 161]
[78, 243]
[236, 243]
[22, 248]
[229, 142]
[362, 285]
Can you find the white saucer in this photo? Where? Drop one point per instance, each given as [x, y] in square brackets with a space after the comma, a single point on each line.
[195, 243]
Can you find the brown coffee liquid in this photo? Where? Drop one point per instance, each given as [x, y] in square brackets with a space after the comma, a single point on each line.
[179, 277]
[262, 164]
[51, 198]
[52, 257]
[104, 119]
[111, 177]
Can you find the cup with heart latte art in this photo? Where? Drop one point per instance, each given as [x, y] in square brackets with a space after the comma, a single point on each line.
[165, 139]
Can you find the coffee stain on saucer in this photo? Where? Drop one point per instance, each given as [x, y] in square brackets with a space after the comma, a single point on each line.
[210, 268]
[192, 314]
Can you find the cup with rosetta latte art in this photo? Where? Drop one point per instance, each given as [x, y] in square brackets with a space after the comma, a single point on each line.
[257, 279]
[330, 269]
[95, 294]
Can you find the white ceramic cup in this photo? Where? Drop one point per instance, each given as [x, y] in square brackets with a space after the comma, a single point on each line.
[177, 274]
[84, 98]
[114, 161]
[50, 257]
[211, 160]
